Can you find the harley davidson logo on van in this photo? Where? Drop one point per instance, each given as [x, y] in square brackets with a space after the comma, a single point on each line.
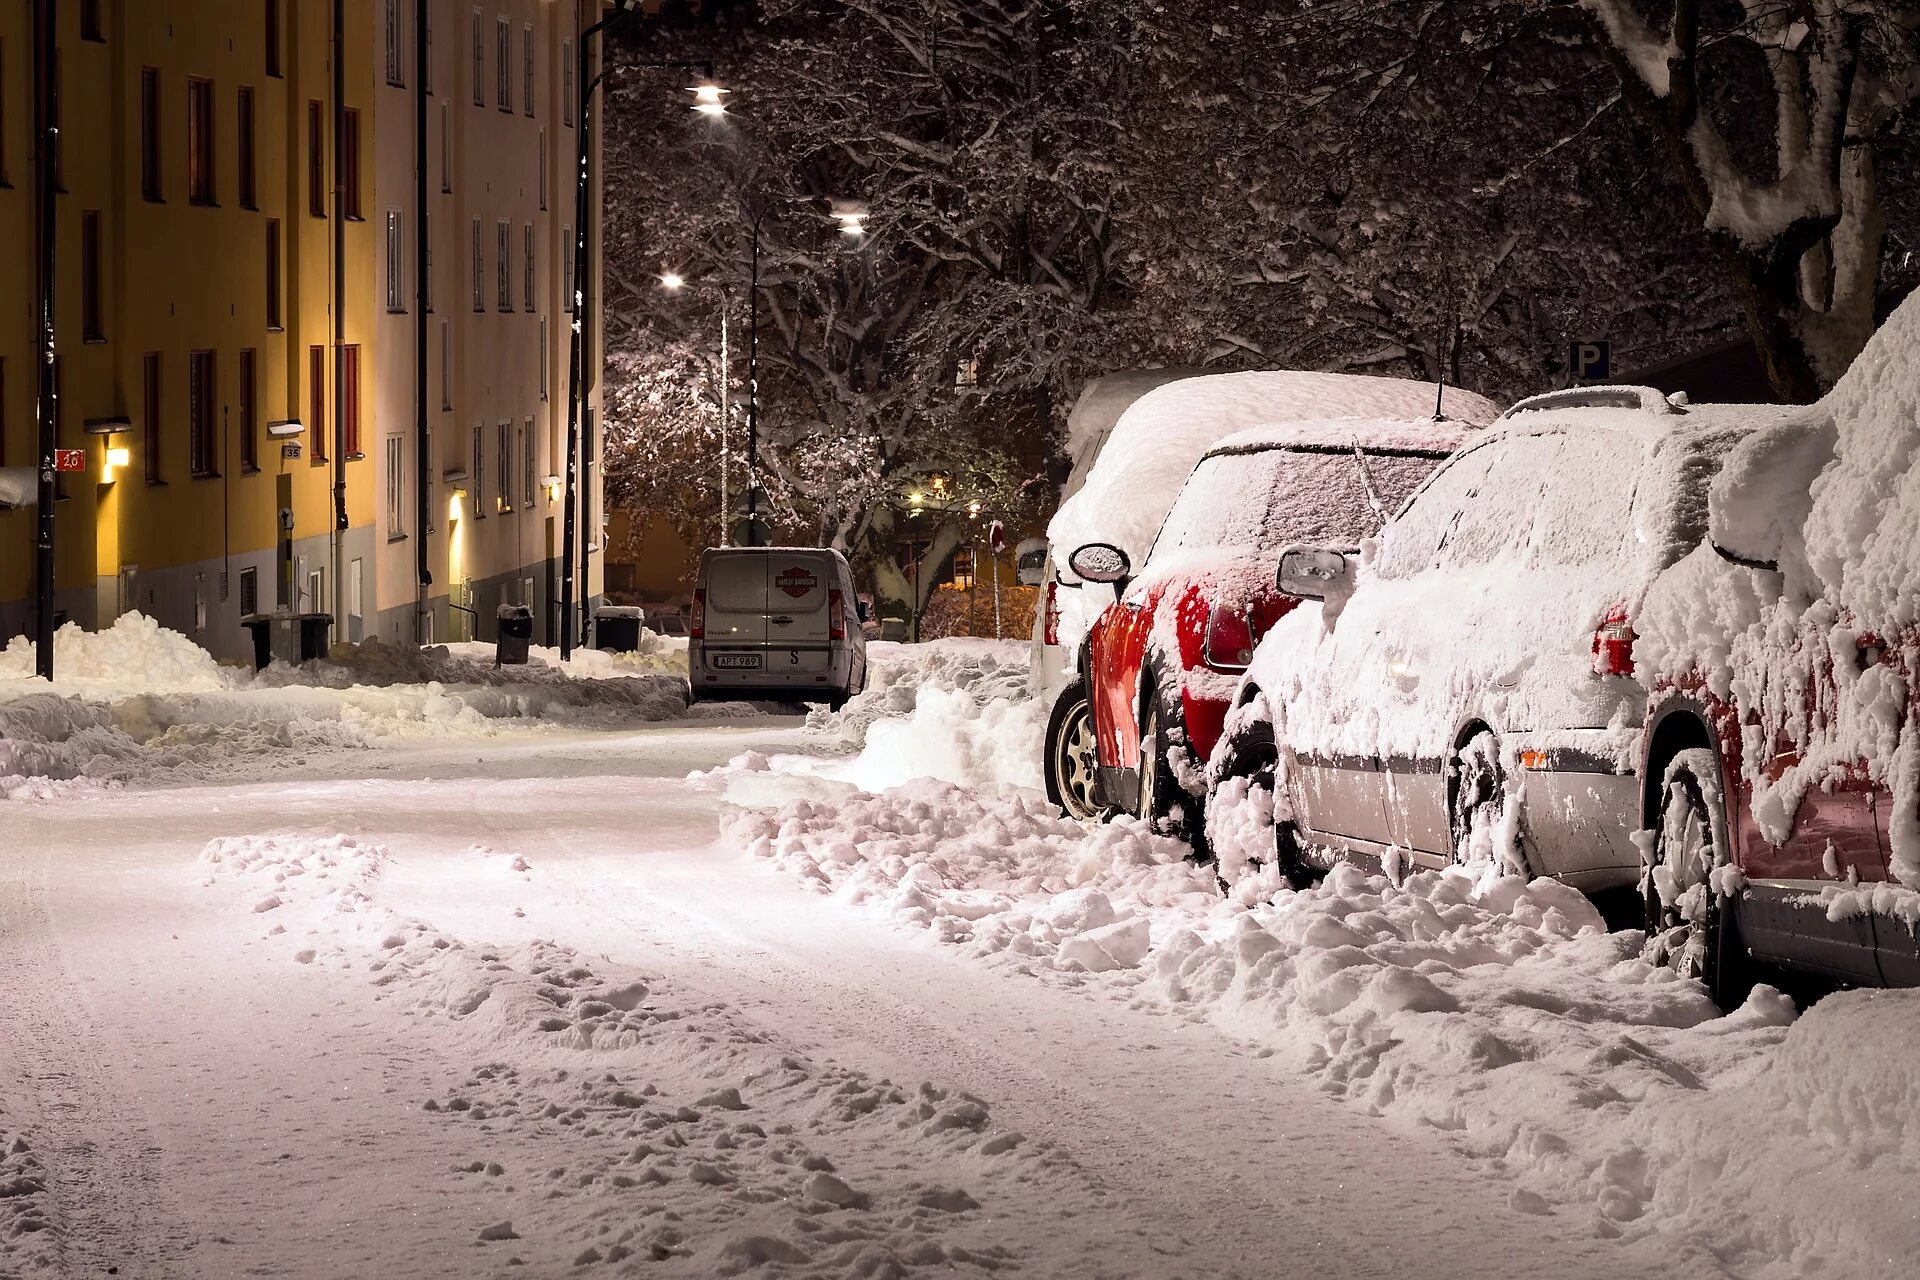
[797, 582]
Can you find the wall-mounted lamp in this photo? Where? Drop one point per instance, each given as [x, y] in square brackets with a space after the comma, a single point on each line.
[116, 457]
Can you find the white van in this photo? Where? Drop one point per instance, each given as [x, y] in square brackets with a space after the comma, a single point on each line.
[775, 622]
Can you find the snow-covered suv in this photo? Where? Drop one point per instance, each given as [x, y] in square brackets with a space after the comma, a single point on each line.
[1466, 690]
[1781, 805]
[1161, 662]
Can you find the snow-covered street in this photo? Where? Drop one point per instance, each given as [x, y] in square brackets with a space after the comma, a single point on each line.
[540, 992]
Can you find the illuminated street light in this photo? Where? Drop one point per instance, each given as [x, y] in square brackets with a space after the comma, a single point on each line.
[709, 99]
[673, 281]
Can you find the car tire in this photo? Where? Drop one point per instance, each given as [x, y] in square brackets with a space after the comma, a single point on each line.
[1476, 804]
[1071, 758]
[1250, 754]
[1690, 927]
[1164, 804]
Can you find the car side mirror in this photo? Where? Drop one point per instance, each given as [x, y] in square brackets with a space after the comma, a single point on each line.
[1099, 562]
[1315, 573]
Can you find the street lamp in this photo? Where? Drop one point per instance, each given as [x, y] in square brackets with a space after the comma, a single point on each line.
[576, 358]
[709, 99]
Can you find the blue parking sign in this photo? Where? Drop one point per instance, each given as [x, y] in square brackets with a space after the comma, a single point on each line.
[1590, 360]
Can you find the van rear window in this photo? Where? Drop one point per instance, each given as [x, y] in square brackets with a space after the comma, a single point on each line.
[738, 583]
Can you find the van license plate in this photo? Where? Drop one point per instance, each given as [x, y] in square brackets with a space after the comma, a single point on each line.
[736, 661]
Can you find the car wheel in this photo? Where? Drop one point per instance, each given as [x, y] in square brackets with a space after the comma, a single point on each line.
[1477, 807]
[1689, 928]
[1071, 755]
[1164, 803]
[1245, 835]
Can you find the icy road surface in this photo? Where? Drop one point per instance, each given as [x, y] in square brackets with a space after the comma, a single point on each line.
[527, 1018]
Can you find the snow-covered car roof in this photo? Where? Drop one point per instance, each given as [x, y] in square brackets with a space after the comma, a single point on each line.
[1160, 437]
[1394, 435]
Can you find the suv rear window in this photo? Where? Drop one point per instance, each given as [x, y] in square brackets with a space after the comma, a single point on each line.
[1264, 501]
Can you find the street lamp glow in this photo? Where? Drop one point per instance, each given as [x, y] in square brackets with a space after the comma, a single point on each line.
[709, 99]
[672, 281]
[711, 108]
[852, 225]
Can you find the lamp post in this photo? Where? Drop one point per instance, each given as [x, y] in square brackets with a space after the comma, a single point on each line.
[46, 150]
[705, 96]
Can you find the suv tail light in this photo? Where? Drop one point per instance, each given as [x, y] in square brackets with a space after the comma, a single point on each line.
[1229, 642]
[1051, 632]
[1613, 644]
[836, 615]
[697, 624]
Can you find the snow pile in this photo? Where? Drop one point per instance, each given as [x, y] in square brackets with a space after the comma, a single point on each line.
[957, 709]
[135, 654]
[1162, 434]
[29, 1238]
[995, 874]
[743, 1153]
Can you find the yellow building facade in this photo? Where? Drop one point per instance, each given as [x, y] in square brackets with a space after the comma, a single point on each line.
[226, 327]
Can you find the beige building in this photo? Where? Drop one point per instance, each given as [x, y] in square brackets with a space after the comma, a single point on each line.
[233, 353]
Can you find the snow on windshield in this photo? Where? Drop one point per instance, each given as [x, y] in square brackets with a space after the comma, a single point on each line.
[1267, 500]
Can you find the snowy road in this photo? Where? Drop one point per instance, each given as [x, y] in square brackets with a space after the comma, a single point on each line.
[208, 1096]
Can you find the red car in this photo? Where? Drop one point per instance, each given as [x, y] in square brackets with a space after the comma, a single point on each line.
[1161, 662]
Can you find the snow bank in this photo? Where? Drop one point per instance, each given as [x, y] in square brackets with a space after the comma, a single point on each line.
[1162, 434]
[134, 655]
[957, 709]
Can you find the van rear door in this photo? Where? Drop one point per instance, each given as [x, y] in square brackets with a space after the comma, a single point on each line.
[798, 587]
[736, 583]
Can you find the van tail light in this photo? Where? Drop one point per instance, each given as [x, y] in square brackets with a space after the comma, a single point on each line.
[1229, 642]
[836, 615]
[697, 624]
[1050, 634]
[1613, 644]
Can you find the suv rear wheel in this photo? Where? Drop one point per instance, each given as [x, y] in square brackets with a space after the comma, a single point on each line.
[1070, 757]
[1689, 928]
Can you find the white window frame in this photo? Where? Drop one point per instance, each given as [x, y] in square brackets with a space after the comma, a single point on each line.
[546, 358]
[396, 262]
[479, 471]
[527, 444]
[396, 486]
[505, 502]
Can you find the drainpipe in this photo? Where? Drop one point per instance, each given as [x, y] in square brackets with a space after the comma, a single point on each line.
[423, 442]
[46, 110]
[339, 317]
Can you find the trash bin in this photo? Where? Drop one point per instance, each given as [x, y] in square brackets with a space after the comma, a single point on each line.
[616, 628]
[515, 625]
[289, 637]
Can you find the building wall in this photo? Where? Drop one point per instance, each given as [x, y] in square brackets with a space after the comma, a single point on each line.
[180, 277]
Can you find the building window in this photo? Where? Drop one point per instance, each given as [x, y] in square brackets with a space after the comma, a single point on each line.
[503, 271]
[249, 592]
[249, 410]
[566, 269]
[316, 159]
[503, 64]
[395, 77]
[527, 289]
[446, 149]
[273, 273]
[544, 167]
[350, 399]
[426, 268]
[446, 366]
[479, 472]
[479, 268]
[91, 28]
[200, 141]
[396, 486]
[479, 60]
[506, 465]
[566, 83]
[546, 357]
[396, 261]
[150, 133]
[428, 6]
[92, 318]
[201, 392]
[249, 195]
[317, 401]
[527, 63]
[526, 465]
[350, 161]
[151, 435]
[273, 37]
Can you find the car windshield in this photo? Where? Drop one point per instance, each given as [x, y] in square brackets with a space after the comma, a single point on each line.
[1266, 500]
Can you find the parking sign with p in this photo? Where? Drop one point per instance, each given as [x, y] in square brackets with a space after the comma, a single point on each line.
[1590, 360]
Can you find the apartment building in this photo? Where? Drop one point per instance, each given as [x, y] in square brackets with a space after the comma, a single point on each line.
[234, 312]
